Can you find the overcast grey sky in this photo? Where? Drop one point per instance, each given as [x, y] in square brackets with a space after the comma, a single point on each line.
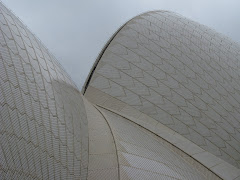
[75, 31]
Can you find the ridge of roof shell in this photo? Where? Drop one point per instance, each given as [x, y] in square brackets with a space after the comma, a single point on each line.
[105, 47]
[88, 79]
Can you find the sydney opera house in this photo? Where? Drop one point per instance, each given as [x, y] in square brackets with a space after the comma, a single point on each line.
[162, 101]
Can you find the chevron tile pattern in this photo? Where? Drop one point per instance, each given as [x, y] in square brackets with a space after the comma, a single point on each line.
[43, 124]
[180, 73]
[162, 102]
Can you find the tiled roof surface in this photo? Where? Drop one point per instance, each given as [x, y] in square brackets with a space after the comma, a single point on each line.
[180, 73]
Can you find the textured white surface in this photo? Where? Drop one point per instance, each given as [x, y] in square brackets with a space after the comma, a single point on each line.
[143, 155]
[157, 69]
[103, 161]
[43, 123]
[180, 73]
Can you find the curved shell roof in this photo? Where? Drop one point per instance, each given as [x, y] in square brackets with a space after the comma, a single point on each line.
[43, 123]
[178, 72]
[162, 102]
